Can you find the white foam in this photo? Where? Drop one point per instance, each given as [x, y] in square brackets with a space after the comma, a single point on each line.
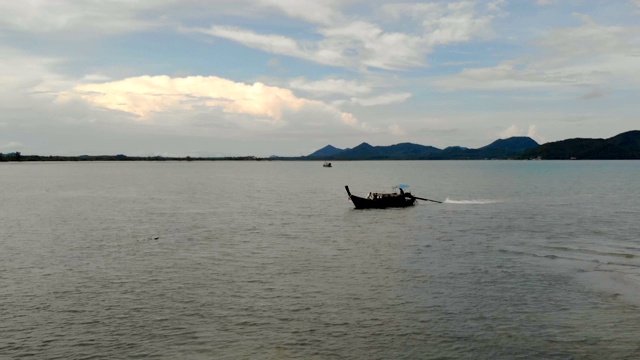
[472, 202]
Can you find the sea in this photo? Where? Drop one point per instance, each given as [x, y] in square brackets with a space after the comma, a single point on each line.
[269, 260]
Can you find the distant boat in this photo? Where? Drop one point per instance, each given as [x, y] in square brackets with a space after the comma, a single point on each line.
[326, 164]
[385, 200]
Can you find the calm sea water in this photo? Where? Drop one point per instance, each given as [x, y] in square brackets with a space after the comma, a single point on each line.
[269, 260]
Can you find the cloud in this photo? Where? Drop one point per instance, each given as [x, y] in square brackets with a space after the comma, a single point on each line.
[511, 132]
[356, 44]
[396, 130]
[508, 75]
[359, 42]
[95, 77]
[593, 94]
[365, 44]
[87, 17]
[146, 96]
[586, 56]
[330, 87]
[588, 43]
[318, 12]
[23, 75]
[276, 44]
[458, 23]
[514, 130]
[385, 99]
[11, 145]
[545, 2]
[496, 6]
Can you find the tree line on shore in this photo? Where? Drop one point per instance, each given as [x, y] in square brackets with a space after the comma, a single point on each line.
[17, 156]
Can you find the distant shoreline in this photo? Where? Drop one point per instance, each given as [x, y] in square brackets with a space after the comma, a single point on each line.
[93, 158]
[624, 146]
[108, 158]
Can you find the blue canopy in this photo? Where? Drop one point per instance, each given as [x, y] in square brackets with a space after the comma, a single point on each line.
[402, 186]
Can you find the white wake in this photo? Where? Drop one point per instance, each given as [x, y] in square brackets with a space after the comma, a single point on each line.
[471, 202]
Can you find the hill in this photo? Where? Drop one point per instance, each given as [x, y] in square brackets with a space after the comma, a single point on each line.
[506, 148]
[365, 151]
[326, 151]
[622, 146]
[499, 149]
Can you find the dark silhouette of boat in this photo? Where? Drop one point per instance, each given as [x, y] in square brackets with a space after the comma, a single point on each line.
[385, 200]
[327, 164]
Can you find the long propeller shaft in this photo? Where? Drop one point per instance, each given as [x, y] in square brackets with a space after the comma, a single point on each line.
[435, 201]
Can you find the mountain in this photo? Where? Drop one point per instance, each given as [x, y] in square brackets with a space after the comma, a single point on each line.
[506, 148]
[365, 151]
[516, 143]
[326, 152]
[410, 150]
[622, 146]
[361, 151]
[499, 149]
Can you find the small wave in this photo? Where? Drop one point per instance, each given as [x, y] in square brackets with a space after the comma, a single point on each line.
[591, 252]
[472, 202]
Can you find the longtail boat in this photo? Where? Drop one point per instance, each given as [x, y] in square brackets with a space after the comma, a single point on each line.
[385, 200]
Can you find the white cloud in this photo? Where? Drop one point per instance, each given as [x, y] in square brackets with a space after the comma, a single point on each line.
[415, 11]
[587, 43]
[508, 76]
[354, 45]
[385, 99]
[22, 74]
[319, 12]
[330, 86]
[41, 16]
[369, 45]
[146, 96]
[514, 130]
[360, 43]
[511, 132]
[589, 56]
[446, 23]
[396, 130]
[457, 23]
[276, 44]
[496, 6]
[11, 145]
[95, 77]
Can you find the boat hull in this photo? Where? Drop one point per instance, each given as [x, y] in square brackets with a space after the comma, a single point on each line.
[382, 203]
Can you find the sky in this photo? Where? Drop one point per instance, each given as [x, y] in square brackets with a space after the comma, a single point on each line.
[288, 77]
